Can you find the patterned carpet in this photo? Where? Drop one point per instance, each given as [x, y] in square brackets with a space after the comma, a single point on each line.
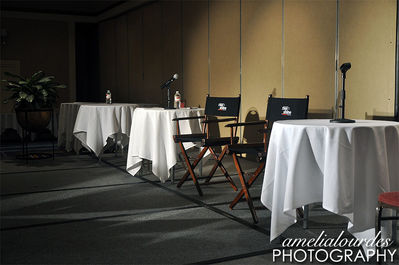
[77, 209]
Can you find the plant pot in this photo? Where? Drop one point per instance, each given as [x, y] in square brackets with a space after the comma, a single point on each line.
[33, 120]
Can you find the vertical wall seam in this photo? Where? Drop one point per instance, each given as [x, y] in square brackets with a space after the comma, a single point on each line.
[282, 47]
[241, 67]
[209, 50]
[72, 61]
[182, 43]
[163, 49]
[336, 61]
[240, 47]
[163, 46]
[128, 57]
[142, 48]
[116, 86]
[397, 64]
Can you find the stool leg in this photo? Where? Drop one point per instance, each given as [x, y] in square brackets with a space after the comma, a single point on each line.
[395, 228]
[378, 228]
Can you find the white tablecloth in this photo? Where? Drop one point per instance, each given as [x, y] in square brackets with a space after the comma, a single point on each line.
[151, 138]
[96, 122]
[67, 118]
[344, 166]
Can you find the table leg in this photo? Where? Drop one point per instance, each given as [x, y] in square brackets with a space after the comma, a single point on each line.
[172, 179]
[305, 216]
[116, 145]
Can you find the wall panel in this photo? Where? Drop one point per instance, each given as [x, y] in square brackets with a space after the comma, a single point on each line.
[195, 52]
[135, 55]
[261, 55]
[152, 52]
[172, 46]
[224, 41]
[106, 38]
[309, 65]
[122, 66]
[367, 40]
[225, 48]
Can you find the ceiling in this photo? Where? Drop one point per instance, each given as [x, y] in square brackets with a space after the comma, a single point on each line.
[72, 7]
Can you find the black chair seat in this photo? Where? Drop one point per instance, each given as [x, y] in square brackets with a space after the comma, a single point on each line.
[197, 137]
[252, 148]
[218, 141]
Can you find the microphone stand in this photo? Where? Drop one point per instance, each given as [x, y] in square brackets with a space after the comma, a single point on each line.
[167, 85]
[169, 107]
[343, 96]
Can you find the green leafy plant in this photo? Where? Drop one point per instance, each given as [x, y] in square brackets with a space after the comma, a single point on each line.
[36, 92]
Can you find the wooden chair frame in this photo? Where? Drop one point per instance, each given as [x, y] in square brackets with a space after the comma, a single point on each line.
[204, 137]
[252, 177]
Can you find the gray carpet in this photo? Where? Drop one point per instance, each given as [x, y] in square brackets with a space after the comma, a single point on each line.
[78, 210]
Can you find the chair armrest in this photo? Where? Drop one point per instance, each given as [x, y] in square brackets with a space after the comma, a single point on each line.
[245, 123]
[219, 120]
[188, 118]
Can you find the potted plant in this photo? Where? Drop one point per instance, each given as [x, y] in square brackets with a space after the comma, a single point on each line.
[34, 98]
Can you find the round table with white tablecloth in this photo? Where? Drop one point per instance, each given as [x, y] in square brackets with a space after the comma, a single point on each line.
[96, 122]
[344, 166]
[67, 118]
[151, 138]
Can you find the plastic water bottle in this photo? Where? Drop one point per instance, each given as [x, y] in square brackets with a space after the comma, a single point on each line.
[108, 99]
[177, 100]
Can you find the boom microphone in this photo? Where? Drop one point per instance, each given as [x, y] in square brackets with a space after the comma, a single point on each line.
[167, 83]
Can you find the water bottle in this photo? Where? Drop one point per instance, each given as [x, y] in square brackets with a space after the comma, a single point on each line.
[108, 99]
[177, 100]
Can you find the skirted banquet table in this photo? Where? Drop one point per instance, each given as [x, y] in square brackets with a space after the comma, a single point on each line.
[151, 138]
[343, 166]
[96, 122]
[67, 118]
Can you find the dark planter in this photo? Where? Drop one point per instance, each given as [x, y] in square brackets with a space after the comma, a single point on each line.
[33, 120]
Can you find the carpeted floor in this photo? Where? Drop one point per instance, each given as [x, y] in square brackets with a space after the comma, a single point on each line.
[76, 209]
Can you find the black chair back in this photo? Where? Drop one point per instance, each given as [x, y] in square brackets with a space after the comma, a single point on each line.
[222, 106]
[287, 109]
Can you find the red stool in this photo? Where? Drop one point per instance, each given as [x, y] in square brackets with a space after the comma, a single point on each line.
[388, 200]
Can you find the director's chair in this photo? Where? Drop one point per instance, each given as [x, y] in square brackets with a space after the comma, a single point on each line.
[277, 109]
[217, 109]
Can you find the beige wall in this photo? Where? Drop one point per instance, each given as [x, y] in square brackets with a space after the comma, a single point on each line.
[261, 55]
[38, 45]
[195, 64]
[367, 40]
[288, 49]
[309, 52]
[224, 48]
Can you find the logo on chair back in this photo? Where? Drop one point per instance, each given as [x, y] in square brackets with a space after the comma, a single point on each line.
[222, 107]
[286, 111]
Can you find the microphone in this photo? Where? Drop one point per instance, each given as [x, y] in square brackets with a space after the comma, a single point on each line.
[345, 67]
[167, 83]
